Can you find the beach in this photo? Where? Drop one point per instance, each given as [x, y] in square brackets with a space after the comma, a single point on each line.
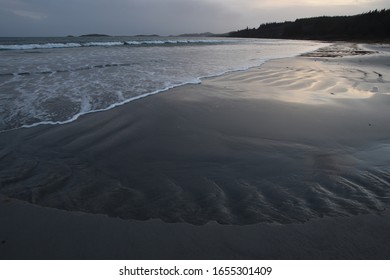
[287, 160]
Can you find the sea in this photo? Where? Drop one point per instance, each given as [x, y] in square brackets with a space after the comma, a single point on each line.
[56, 80]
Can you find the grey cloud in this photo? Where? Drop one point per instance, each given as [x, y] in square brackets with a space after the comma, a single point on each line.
[130, 17]
[113, 17]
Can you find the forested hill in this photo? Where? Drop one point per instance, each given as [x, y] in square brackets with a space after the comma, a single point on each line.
[374, 25]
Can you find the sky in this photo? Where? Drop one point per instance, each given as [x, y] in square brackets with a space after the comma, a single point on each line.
[162, 17]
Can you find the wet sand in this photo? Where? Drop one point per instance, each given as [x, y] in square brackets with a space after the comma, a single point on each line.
[33, 232]
[284, 161]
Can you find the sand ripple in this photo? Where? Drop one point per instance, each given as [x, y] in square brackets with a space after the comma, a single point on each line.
[229, 193]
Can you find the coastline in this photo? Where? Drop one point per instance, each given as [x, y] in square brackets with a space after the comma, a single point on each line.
[116, 82]
[187, 152]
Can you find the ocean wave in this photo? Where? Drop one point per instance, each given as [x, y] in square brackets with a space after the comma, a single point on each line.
[163, 42]
[40, 46]
[65, 70]
[87, 110]
[108, 44]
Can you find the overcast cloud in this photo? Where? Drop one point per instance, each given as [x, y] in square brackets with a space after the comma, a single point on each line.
[163, 17]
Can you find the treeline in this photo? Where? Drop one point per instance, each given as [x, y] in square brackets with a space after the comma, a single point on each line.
[374, 25]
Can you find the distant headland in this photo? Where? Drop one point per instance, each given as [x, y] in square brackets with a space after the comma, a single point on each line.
[373, 25]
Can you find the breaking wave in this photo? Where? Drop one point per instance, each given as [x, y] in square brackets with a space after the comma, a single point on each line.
[108, 44]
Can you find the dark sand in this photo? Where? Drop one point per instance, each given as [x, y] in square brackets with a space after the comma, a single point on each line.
[33, 232]
[286, 161]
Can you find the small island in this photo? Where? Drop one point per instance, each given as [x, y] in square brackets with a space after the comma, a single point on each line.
[95, 35]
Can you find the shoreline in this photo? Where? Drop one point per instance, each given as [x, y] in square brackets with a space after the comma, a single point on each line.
[195, 81]
[288, 155]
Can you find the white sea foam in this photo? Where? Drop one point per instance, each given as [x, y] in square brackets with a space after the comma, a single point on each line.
[102, 44]
[109, 44]
[59, 45]
[40, 46]
[86, 107]
[162, 42]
